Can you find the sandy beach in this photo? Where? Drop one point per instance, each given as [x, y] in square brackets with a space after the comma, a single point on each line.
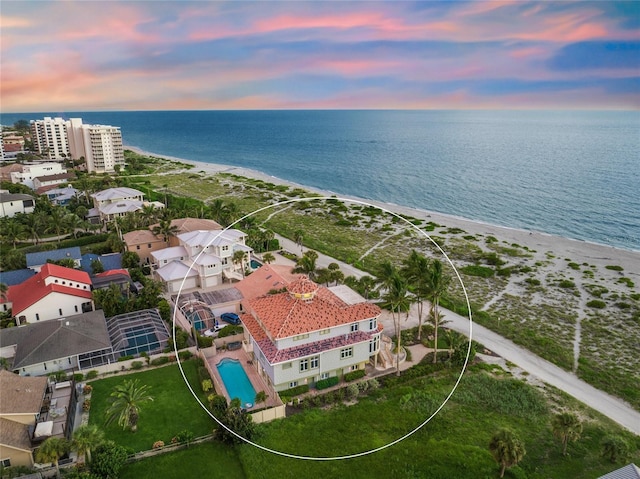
[579, 251]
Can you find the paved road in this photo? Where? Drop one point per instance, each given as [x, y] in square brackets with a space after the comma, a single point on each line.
[610, 406]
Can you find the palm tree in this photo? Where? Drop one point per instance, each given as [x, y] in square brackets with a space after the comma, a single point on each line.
[56, 223]
[216, 209]
[85, 438]
[267, 236]
[12, 232]
[386, 273]
[438, 284]
[397, 300]
[506, 449]
[298, 236]
[52, 450]
[614, 448]
[454, 340]
[306, 264]
[366, 284]
[416, 271]
[566, 427]
[148, 214]
[126, 401]
[268, 258]
[165, 229]
[239, 258]
[35, 224]
[3, 291]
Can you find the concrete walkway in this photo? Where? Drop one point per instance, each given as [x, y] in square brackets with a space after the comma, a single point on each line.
[608, 405]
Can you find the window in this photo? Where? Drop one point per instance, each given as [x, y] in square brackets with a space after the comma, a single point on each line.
[374, 344]
[346, 353]
[324, 331]
[137, 246]
[60, 311]
[304, 364]
[293, 384]
[37, 317]
[5, 462]
[314, 362]
[373, 323]
[354, 327]
[286, 366]
[300, 336]
[76, 306]
[324, 375]
[148, 245]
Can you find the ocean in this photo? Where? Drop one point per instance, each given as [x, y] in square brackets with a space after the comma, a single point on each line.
[569, 173]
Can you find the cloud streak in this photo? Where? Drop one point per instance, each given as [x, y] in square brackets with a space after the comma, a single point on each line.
[101, 55]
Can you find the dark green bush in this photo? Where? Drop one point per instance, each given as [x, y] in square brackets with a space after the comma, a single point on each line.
[184, 355]
[230, 331]
[565, 283]
[597, 304]
[92, 374]
[160, 361]
[353, 375]
[296, 391]
[476, 270]
[125, 358]
[136, 365]
[327, 383]
[77, 377]
[205, 341]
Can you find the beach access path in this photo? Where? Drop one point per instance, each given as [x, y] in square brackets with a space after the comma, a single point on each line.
[547, 372]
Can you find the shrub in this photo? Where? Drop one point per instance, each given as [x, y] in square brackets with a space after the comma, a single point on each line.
[532, 281]
[373, 384]
[125, 358]
[86, 405]
[87, 389]
[205, 341]
[184, 355]
[614, 267]
[160, 361]
[207, 385]
[353, 375]
[203, 373]
[597, 304]
[230, 331]
[565, 283]
[135, 365]
[476, 270]
[77, 377]
[92, 374]
[327, 383]
[158, 444]
[353, 391]
[295, 391]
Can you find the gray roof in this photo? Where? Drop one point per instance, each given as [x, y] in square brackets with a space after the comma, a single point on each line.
[55, 339]
[630, 471]
[16, 276]
[5, 197]
[37, 259]
[218, 296]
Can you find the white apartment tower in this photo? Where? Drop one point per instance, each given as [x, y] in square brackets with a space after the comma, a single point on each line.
[101, 145]
[49, 137]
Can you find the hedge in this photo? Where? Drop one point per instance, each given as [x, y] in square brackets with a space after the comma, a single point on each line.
[327, 383]
[296, 391]
[160, 361]
[353, 375]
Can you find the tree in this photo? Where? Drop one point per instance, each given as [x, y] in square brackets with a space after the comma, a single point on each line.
[268, 258]
[506, 449]
[126, 401]
[97, 266]
[384, 277]
[566, 427]
[51, 450]
[13, 259]
[108, 459]
[298, 236]
[438, 284]
[86, 438]
[236, 419]
[614, 448]
[366, 284]
[306, 264]
[3, 291]
[130, 259]
[239, 258]
[416, 270]
[165, 229]
[148, 213]
[397, 301]
[454, 341]
[216, 209]
[261, 397]
[12, 232]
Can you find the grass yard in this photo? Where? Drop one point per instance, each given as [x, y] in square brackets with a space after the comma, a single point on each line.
[453, 444]
[173, 410]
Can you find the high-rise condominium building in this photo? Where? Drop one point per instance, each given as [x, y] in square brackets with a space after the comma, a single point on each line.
[49, 137]
[100, 145]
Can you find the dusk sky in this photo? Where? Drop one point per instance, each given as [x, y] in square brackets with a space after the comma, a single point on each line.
[111, 55]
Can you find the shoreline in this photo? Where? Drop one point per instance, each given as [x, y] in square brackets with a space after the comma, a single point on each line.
[589, 251]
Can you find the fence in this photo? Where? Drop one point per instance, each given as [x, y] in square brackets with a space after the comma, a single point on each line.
[119, 366]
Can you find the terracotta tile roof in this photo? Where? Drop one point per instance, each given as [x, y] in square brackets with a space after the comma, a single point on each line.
[284, 315]
[275, 355]
[141, 236]
[34, 289]
[20, 394]
[112, 272]
[14, 434]
[265, 279]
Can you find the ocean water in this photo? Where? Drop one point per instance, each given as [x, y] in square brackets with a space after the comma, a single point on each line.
[569, 173]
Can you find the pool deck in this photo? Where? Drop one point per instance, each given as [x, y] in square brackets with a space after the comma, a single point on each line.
[256, 381]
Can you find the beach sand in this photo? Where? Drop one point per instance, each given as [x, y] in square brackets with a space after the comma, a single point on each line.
[578, 251]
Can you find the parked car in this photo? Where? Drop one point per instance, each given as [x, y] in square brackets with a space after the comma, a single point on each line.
[214, 331]
[231, 318]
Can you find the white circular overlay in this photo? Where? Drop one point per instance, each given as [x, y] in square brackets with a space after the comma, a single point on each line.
[349, 456]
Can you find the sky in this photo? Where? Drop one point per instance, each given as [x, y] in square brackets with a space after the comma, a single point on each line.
[178, 55]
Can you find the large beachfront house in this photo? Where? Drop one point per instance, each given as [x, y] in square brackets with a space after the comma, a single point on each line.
[114, 202]
[203, 259]
[310, 332]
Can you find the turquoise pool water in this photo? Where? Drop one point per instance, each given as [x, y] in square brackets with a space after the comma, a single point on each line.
[236, 381]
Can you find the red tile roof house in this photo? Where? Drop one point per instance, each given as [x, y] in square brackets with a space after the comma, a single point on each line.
[54, 293]
[309, 332]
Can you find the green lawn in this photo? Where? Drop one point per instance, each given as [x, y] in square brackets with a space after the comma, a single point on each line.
[453, 444]
[173, 410]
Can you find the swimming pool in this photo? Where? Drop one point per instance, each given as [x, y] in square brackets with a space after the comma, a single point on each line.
[236, 381]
